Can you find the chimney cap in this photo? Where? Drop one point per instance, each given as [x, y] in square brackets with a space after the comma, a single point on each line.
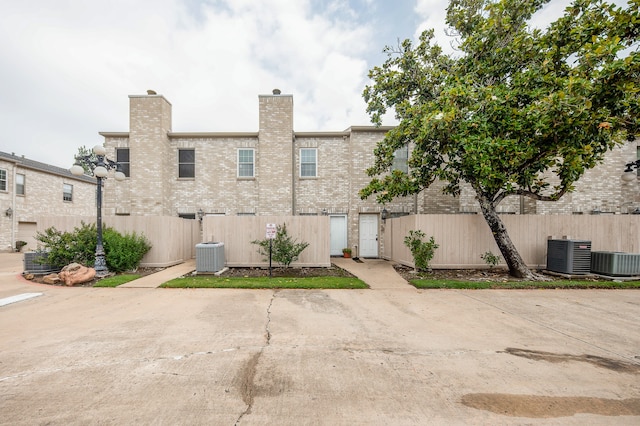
[151, 92]
[276, 91]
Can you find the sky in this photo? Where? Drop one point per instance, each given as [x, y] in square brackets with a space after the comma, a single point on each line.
[67, 67]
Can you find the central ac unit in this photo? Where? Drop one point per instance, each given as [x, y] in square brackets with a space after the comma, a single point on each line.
[569, 256]
[615, 263]
[209, 257]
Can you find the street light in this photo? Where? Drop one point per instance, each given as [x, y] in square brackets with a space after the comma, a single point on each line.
[100, 168]
[628, 176]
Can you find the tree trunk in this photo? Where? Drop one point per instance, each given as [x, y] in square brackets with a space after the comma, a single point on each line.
[517, 267]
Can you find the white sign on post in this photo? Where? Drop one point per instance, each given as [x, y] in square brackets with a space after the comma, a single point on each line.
[271, 231]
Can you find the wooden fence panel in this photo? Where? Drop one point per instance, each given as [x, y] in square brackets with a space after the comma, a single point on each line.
[237, 232]
[463, 238]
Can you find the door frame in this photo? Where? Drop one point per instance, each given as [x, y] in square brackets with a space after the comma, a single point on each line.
[363, 237]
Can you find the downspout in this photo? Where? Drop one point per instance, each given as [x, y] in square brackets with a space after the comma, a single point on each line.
[13, 205]
[293, 174]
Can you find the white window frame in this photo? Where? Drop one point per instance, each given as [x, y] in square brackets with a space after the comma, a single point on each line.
[3, 180]
[65, 192]
[308, 163]
[401, 159]
[245, 163]
[23, 184]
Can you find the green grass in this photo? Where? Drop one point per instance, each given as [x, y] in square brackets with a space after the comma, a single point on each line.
[116, 280]
[562, 284]
[266, 282]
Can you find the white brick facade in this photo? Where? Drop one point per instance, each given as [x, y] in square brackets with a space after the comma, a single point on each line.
[43, 194]
[277, 187]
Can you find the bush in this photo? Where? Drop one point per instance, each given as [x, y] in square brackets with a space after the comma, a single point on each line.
[122, 252]
[284, 249]
[490, 259]
[421, 251]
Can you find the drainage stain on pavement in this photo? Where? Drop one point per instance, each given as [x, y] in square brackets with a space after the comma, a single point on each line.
[597, 361]
[537, 406]
[534, 406]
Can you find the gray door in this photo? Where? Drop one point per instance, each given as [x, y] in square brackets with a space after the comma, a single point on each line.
[338, 234]
[368, 235]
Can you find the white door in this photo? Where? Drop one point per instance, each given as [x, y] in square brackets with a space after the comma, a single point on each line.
[368, 235]
[338, 230]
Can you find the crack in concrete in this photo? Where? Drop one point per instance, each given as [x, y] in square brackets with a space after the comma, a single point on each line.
[248, 373]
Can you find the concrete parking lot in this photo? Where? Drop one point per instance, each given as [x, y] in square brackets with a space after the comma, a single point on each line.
[381, 356]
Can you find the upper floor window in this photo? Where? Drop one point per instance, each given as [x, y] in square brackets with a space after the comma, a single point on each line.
[245, 163]
[187, 163]
[67, 192]
[308, 162]
[401, 159]
[3, 180]
[122, 158]
[20, 184]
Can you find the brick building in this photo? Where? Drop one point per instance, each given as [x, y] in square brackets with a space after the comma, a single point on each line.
[279, 171]
[29, 188]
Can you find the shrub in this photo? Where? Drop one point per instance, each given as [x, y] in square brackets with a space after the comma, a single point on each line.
[421, 251]
[122, 252]
[284, 249]
[490, 259]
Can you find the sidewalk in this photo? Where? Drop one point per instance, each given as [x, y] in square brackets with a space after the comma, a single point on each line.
[159, 278]
[377, 273]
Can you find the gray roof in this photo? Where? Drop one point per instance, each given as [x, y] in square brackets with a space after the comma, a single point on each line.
[45, 168]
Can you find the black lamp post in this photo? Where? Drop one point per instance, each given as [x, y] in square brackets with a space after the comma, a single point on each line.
[100, 168]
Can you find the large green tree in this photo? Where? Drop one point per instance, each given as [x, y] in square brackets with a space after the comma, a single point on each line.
[514, 111]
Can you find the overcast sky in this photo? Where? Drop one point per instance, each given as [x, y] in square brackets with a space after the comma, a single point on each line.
[68, 66]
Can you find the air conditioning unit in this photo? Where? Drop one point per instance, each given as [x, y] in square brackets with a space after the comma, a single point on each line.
[569, 256]
[33, 263]
[615, 263]
[209, 257]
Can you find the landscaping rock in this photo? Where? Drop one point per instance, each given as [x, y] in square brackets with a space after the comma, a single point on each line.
[50, 279]
[75, 273]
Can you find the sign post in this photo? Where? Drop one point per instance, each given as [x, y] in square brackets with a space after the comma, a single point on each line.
[271, 235]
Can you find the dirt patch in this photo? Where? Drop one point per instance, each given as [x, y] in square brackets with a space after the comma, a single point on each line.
[490, 275]
[534, 406]
[332, 271]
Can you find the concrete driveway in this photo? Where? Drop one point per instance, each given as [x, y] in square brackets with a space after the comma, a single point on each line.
[295, 357]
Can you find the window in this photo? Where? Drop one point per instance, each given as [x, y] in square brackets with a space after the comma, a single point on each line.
[245, 163]
[20, 184]
[122, 158]
[186, 163]
[3, 180]
[401, 159]
[308, 162]
[67, 192]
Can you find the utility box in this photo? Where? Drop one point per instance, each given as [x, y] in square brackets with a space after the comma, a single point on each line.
[209, 257]
[615, 263]
[569, 256]
[33, 263]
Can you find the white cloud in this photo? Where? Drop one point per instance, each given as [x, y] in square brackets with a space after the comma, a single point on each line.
[71, 65]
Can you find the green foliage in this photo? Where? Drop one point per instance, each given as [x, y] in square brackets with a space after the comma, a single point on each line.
[20, 244]
[490, 259]
[285, 249]
[122, 252]
[266, 282]
[84, 152]
[515, 111]
[421, 251]
[116, 280]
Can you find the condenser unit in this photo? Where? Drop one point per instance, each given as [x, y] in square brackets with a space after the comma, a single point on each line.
[615, 263]
[34, 263]
[209, 257]
[569, 256]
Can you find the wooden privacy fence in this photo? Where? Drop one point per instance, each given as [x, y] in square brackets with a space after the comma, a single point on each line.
[463, 238]
[237, 232]
[172, 239]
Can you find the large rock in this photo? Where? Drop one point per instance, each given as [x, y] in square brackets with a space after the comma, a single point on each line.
[51, 279]
[75, 273]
